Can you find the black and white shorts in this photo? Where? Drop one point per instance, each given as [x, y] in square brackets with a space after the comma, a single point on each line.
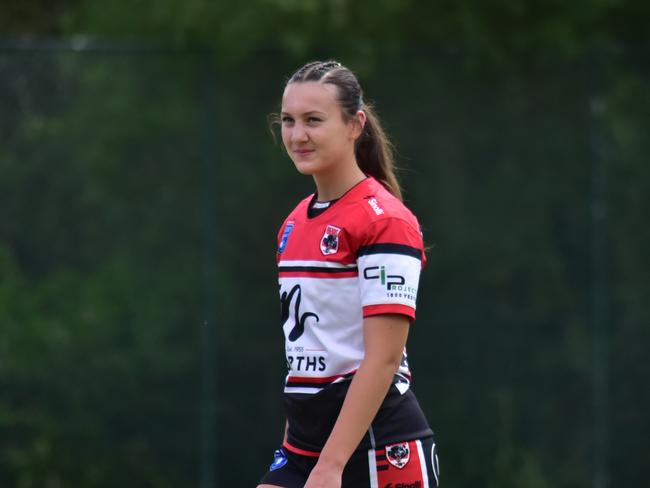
[411, 464]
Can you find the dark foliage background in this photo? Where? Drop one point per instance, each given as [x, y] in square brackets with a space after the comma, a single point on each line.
[141, 192]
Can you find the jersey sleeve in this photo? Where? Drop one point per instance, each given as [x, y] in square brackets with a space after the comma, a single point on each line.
[389, 261]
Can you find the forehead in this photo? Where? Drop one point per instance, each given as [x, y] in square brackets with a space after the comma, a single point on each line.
[309, 96]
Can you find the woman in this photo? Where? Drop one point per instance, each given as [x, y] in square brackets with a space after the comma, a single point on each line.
[349, 259]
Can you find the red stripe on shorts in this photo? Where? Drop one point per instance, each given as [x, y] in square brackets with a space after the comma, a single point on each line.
[297, 450]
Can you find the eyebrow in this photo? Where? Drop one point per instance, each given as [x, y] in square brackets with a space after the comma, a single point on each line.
[311, 112]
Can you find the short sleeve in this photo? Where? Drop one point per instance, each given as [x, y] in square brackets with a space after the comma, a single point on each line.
[389, 260]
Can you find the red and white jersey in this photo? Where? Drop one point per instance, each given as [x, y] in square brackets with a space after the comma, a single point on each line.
[360, 257]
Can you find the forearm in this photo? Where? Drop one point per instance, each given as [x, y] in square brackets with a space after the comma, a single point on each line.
[365, 395]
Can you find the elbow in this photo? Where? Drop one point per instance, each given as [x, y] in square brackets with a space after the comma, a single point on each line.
[395, 359]
[387, 363]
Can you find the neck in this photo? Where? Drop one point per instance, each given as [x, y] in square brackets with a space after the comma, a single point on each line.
[333, 185]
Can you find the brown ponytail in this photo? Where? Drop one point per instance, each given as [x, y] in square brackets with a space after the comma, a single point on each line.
[373, 149]
[374, 153]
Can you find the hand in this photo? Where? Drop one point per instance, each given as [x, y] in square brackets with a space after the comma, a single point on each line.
[322, 477]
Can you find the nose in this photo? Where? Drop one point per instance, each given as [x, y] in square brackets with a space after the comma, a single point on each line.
[299, 134]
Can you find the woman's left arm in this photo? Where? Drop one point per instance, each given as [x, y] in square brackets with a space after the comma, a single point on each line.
[385, 338]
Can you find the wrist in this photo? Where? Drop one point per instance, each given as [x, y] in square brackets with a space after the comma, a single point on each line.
[331, 462]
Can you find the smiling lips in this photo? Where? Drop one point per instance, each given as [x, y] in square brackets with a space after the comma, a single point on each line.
[303, 152]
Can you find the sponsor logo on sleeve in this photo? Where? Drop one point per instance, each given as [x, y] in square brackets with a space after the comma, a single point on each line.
[396, 286]
[375, 206]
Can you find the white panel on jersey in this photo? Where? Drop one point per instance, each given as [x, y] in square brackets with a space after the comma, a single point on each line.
[302, 389]
[402, 387]
[323, 319]
[317, 264]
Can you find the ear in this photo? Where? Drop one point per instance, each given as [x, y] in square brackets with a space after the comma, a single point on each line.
[357, 124]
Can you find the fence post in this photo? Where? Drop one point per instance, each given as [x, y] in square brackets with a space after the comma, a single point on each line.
[208, 425]
[599, 291]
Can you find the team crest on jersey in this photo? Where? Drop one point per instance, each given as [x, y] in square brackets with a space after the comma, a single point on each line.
[329, 244]
[398, 454]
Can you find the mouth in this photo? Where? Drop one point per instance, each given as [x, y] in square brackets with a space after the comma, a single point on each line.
[303, 152]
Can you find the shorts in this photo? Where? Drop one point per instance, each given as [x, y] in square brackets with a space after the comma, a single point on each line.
[411, 464]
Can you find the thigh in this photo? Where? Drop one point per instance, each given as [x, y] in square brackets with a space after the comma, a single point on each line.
[411, 464]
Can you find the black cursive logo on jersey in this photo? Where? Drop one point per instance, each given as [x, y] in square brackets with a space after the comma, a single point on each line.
[285, 304]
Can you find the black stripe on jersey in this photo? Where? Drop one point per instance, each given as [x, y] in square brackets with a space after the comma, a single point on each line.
[390, 249]
[318, 269]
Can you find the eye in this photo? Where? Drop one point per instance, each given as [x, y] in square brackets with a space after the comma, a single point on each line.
[314, 120]
[286, 120]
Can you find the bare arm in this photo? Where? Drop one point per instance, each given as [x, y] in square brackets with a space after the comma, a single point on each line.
[385, 338]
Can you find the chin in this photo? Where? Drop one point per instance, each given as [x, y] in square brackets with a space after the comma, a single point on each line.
[305, 168]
